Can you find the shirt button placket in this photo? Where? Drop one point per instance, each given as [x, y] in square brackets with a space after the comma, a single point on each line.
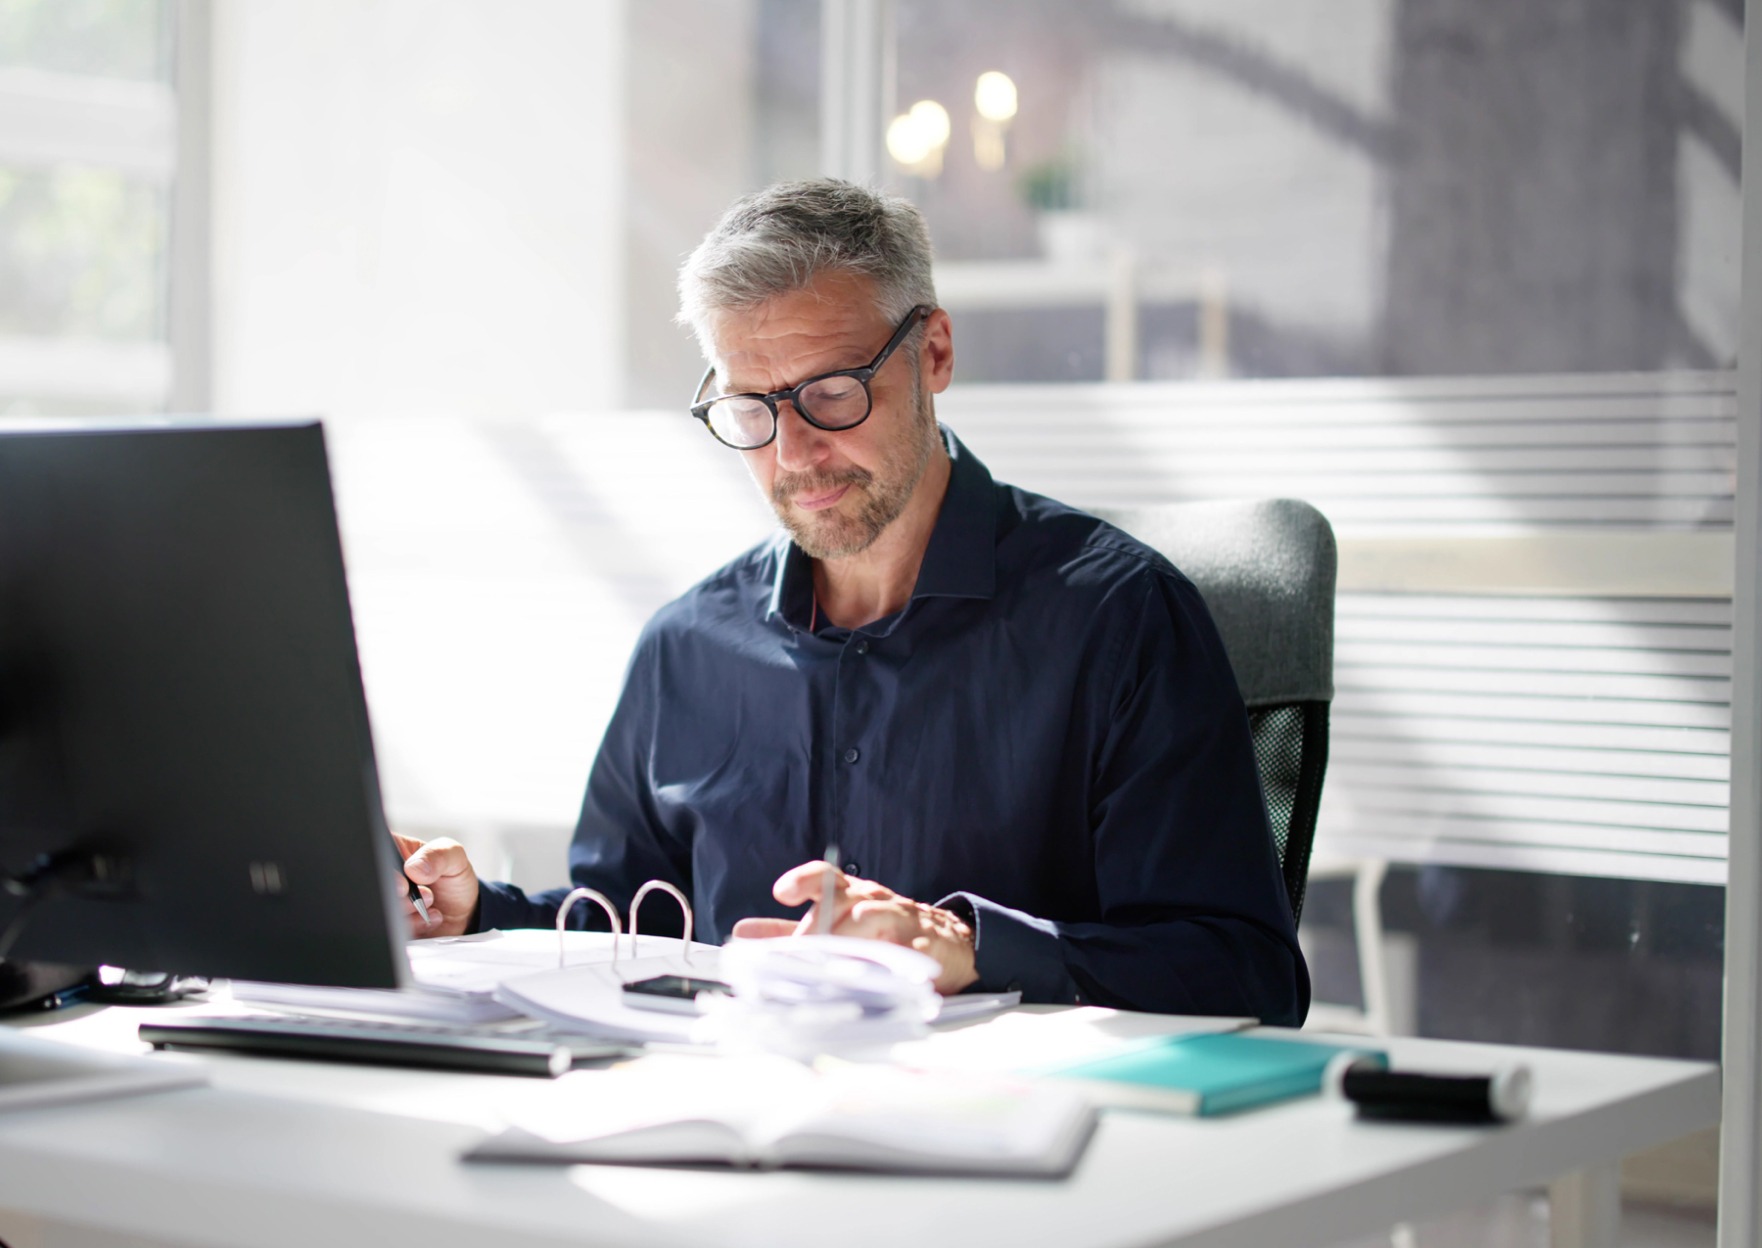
[850, 754]
[861, 647]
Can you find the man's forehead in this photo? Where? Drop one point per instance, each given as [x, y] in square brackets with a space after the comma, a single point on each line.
[807, 325]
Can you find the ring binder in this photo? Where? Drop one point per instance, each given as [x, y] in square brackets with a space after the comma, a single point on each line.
[593, 894]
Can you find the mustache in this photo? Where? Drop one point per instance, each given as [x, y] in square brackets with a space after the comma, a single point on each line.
[787, 485]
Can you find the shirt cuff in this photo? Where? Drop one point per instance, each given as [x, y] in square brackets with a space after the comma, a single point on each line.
[1014, 952]
[505, 907]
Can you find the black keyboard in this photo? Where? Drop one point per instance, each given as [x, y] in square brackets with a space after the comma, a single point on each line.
[529, 1051]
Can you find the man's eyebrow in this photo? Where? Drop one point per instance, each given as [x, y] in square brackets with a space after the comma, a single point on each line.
[716, 378]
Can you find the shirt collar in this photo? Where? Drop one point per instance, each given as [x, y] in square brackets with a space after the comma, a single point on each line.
[960, 562]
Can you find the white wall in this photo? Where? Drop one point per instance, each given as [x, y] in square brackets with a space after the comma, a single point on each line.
[416, 206]
[418, 225]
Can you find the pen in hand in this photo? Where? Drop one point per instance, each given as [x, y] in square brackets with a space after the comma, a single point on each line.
[415, 895]
[821, 915]
[828, 892]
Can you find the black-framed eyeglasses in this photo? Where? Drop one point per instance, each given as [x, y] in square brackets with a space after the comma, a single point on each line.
[831, 401]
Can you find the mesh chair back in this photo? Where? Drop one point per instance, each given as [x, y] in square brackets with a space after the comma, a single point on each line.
[1266, 570]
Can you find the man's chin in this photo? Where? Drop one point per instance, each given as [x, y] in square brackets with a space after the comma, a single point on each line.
[827, 536]
[818, 543]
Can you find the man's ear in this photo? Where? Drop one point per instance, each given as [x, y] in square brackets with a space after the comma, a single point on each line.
[936, 355]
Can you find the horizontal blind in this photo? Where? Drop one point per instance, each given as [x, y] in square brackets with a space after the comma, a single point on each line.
[1581, 733]
[1590, 736]
[1492, 455]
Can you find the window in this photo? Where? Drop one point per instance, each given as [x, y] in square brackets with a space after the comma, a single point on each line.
[88, 150]
[720, 99]
[1172, 189]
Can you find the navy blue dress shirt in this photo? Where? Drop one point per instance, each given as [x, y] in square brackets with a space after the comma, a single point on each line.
[1047, 738]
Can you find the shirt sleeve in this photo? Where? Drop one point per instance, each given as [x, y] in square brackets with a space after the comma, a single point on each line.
[620, 841]
[1192, 916]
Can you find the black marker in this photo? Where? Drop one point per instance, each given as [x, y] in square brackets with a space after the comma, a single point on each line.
[1413, 1096]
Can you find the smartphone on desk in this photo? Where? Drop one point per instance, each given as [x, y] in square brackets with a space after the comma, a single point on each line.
[676, 994]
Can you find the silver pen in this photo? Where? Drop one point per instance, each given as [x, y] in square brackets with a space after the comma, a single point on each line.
[828, 891]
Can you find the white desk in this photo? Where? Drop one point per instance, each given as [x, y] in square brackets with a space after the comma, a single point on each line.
[282, 1153]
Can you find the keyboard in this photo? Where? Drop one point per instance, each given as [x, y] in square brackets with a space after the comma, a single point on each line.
[535, 1050]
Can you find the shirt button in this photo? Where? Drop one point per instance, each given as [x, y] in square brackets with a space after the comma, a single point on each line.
[852, 754]
[863, 645]
[853, 868]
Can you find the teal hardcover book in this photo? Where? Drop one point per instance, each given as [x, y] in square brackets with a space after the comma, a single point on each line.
[1208, 1073]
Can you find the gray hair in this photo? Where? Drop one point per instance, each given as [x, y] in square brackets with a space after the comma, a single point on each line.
[783, 238]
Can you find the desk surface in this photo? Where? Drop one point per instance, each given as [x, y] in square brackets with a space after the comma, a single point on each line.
[291, 1153]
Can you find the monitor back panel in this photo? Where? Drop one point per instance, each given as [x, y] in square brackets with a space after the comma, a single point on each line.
[180, 695]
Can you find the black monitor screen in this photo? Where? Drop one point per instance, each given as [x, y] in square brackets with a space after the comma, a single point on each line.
[187, 780]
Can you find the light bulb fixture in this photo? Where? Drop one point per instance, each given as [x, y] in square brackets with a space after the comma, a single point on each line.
[905, 140]
[994, 95]
[915, 138]
[933, 118]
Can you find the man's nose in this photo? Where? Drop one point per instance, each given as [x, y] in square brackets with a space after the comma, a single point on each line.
[799, 444]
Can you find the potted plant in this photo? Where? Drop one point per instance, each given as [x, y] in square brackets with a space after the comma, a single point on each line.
[1070, 230]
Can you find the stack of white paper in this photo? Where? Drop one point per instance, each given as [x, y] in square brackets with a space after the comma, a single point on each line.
[806, 995]
[456, 978]
[576, 983]
[588, 996]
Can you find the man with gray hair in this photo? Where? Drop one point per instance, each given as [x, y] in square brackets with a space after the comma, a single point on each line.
[977, 694]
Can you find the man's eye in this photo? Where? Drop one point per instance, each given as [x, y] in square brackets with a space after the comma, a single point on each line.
[836, 390]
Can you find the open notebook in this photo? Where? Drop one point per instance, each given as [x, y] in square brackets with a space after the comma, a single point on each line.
[769, 1112]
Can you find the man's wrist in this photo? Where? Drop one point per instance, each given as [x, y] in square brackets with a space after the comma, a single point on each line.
[962, 910]
[961, 929]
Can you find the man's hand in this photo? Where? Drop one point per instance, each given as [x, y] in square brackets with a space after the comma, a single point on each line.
[440, 869]
[865, 908]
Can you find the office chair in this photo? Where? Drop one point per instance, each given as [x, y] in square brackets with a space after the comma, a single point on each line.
[1266, 571]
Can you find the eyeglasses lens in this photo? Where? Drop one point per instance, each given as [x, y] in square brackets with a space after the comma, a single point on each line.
[741, 422]
[835, 402]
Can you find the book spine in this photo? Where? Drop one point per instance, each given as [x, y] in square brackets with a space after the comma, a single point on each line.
[1109, 1094]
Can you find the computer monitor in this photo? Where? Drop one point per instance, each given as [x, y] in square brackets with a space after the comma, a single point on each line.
[187, 779]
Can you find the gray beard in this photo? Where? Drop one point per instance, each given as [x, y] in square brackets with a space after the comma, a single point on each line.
[840, 536]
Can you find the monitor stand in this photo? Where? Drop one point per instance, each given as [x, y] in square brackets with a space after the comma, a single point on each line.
[36, 1072]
